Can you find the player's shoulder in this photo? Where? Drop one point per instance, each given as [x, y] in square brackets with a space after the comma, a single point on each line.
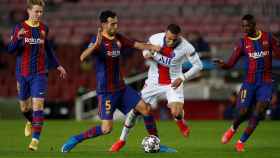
[93, 39]
[42, 24]
[157, 39]
[157, 36]
[186, 45]
[18, 26]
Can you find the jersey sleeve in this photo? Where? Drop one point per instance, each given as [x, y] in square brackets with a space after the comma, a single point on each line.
[15, 43]
[51, 58]
[235, 56]
[125, 42]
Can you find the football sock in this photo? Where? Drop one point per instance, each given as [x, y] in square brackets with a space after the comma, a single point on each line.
[37, 123]
[150, 125]
[252, 124]
[128, 124]
[91, 133]
[238, 120]
[28, 115]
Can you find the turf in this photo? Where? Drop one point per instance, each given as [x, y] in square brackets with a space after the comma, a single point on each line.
[204, 141]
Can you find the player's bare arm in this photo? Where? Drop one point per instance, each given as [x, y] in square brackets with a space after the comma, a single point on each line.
[93, 47]
[219, 62]
[142, 46]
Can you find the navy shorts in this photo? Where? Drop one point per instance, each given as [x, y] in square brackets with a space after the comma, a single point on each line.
[251, 93]
[123, 100]
[34, 86]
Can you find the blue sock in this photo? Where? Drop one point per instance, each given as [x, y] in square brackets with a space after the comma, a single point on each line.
[150, 125]
[252, 124]
[37, 123]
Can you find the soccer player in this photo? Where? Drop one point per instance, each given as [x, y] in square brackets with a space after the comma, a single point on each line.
[112, 93]
[33, 59]
[165, 77]
[257, 47]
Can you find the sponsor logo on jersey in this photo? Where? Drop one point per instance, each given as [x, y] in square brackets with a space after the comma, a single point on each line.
[114, 53]
[257, 55]
[33, 40]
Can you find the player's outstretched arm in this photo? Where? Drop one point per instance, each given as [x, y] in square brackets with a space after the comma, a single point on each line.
[219, 62]
[53, 62]
[93, 46]
[237, 53]
[147, 46]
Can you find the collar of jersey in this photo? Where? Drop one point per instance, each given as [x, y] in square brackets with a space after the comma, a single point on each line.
[256, 38]
[29, 23]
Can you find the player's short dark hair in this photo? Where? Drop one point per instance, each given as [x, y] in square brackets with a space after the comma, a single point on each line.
[250, 18]
[174, 28]
[104, 15]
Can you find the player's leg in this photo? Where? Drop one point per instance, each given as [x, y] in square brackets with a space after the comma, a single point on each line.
[263, 95]
[25, 102]
[106, 108]
[244, 101]
[175, 98]
[132, 100]
[37, 122]
[38, 86]
[26, 109]
[177, 112]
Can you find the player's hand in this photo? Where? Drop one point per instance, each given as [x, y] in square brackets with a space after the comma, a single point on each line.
[98, 37]
[155, 48]
[21, 33]
[62, 71]
[147, 54]
[218, 62]
[176, 83]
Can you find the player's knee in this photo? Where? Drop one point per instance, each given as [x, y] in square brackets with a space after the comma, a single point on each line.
[143, 108]
[24, 107]
[175, 113]
[38, 104]
[146, 110]
[243, 111]
[106, 129]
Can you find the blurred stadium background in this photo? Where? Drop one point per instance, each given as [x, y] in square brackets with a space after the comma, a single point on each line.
[211, 25]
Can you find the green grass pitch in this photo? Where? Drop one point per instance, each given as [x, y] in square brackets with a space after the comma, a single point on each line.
[204, 141]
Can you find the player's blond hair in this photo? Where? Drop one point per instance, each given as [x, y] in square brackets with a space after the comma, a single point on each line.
[31, 3]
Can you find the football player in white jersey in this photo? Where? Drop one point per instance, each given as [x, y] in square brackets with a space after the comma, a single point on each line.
[165, 77]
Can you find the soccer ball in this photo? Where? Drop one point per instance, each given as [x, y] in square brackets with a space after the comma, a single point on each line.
[150, 144]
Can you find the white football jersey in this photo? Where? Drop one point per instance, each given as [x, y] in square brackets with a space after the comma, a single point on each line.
[165, 69]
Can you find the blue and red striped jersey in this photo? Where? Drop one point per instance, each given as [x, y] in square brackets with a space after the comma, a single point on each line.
[257, 54]
[34, 52]
[108, 74]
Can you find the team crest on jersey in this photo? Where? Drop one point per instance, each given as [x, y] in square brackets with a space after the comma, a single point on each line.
[257, 55]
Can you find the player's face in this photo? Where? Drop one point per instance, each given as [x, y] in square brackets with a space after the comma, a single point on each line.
[35, 13]
[111, 26]
[248, 27]
[171, 39]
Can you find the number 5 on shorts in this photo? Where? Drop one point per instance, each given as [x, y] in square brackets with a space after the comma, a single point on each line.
[108, 106]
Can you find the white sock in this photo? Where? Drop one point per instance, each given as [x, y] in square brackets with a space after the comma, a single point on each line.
[128, 124]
